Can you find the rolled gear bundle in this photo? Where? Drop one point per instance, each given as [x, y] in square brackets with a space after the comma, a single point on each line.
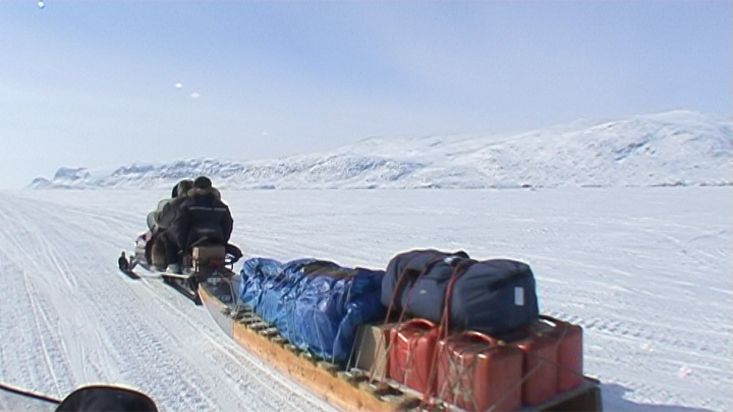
[331, 307]
[255, 272]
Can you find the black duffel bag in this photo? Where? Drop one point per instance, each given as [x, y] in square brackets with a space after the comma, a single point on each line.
[406, 267]
[493, 296]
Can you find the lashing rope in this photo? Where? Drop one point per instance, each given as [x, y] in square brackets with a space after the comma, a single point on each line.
[531, 372]
[443, 327]
[395, 291]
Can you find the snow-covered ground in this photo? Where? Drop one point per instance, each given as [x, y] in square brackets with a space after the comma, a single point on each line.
[646, 272]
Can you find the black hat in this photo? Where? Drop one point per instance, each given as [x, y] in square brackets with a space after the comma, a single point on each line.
[202, 182]
[184, 186]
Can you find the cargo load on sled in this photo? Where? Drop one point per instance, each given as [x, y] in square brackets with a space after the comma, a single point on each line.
[434, 331]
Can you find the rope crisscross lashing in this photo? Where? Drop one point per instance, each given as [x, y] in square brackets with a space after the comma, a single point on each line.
[532, 371]
[458, 271]
[382, 360]
[458, 372]
[444, 326]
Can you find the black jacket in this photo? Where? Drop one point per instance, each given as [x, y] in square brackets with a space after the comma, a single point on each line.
[202, 218]
[169, 212]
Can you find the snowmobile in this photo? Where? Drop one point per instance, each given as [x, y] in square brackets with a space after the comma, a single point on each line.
[91, 398]
[201, 262]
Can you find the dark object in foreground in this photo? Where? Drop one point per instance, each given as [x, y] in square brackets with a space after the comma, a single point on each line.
[106, 398]
[90, 398]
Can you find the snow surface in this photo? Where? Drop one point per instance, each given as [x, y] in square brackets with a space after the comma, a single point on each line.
[678, 148]
[645, 271]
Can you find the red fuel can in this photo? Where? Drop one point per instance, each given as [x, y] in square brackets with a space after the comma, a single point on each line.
[477, 373]
[411, 353]
[539, 367]
[569, 339]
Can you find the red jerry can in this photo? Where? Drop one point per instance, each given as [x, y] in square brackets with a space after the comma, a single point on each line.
[569, 353]
[411, 353]
[539, 366]
[477, 373]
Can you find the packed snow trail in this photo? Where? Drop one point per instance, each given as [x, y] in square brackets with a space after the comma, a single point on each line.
[646, 272]
[69, 318]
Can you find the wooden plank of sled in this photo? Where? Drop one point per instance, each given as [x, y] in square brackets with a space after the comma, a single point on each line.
[249, 321]
[268, 332]
[278, 340]
[320, 382]
[259, 326]
[239, 315]
[328, 367]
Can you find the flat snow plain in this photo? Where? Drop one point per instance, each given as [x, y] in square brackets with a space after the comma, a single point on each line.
[647, 272]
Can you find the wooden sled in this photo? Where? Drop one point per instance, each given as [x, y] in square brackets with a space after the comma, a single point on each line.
[346, 390]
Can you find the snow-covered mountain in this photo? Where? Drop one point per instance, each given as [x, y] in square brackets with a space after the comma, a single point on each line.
[670, 148]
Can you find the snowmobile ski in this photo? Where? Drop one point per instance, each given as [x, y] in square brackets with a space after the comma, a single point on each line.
[126, 266]
[130, 274]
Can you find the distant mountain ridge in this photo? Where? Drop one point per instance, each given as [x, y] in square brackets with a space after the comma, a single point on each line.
[664, 149]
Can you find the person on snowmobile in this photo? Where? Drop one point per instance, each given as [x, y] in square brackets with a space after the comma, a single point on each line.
[152, 218]
[201, 219]
[165, 248]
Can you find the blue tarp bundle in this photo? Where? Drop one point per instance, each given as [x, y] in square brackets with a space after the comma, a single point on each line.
[273, 289]
[293, 319]
[298, 273]
[255, 272]
[331, 308]
[316, 305]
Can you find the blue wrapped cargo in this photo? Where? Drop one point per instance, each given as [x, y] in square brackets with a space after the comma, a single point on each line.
[272, 304]
[331, 307]
[294, 322]
[255, 272]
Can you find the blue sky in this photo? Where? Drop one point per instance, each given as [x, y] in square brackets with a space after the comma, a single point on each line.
[85, 83]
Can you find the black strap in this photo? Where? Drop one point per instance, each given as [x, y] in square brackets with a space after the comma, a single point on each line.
[459, 270]
[28, 394]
